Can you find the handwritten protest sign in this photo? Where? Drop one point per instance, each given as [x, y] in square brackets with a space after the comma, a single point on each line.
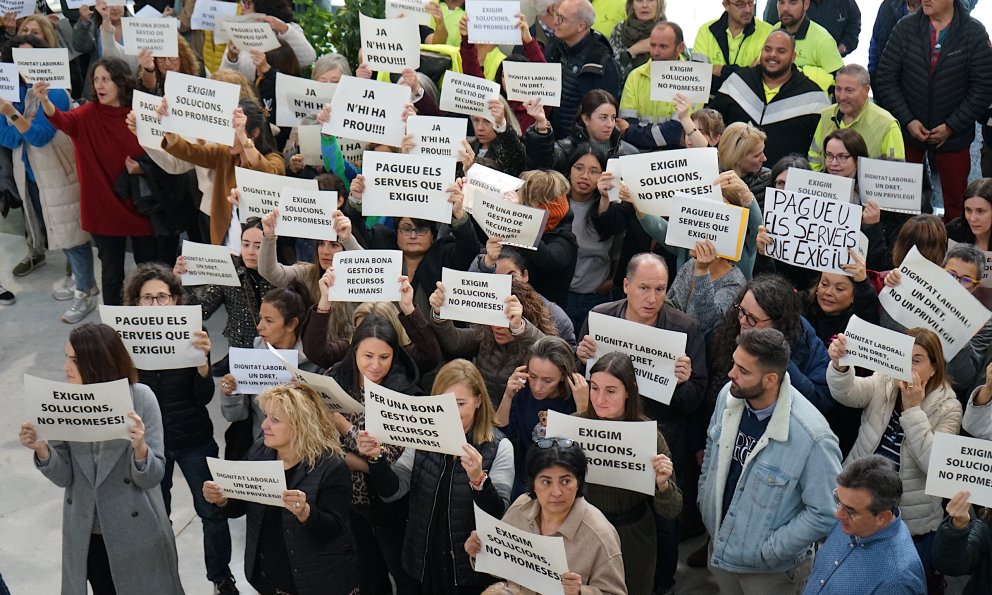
[654, 178]
[254, 481]
[879, 349]
[43, 65]
[259, 192]
[893, 185]
[146, 122]
[10, 89]
[78, 412]
[205, 13]
[493, 21]
[927, 297]
[21, 8]
[298, 98]
[515, 225]
[436, 135]
[700, 219]
[986, 280]
[366, 276]
[400, 185]
[651, 350]
[475, 297]
[807, 182]
[160, 35]
[480, 179]
[469, 95]
[247, 36]
[307, 214]
[207, 264]
[960, 463]
[257, 369]
[390, 45]
[618, 452]
[200, 107]
[525, 80]
[671, 78]
[157, 337]
[811, 232]
[410, 9]
[370, 111]
[534, 561]
[424, 423]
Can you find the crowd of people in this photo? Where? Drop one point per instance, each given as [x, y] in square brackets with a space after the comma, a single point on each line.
[807, 475]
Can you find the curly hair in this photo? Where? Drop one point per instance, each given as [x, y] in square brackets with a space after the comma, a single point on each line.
[120, 75]
[314, 432]
[188, 63]
[151, 271]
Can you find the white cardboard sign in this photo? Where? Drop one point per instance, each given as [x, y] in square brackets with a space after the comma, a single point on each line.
[157, 337]
[248, 36]
[331, 393]
[259, 192]
[21, 8]
[220, 31]
[618, 452]
[960, 463]
[206, 11]
[298, 98]
[613, 166]
[436, 135]
[149, 129]
[43, 65]
[390, 45]
[410, 9]
[516, 225]
[257, 369]
[475, 297]
[424, 423]
[491, 180]
[927, 297]
[366, 276]
[525, 80]
[652, 351]
[536, 562]
[469, 95]
[811, 232]
[493, 21]
[254, 481]
[148, 12]
[400, 185]
[879, 349]
[815, 183]
[369, 111]
[654, 178]
[307, 214]
[10, 84]
[691, 79]
[893, 185]
[309, 140]
[207, 264]
[201, 108]
[78, 412]
[700, 219]
[351, 150]
[160, 35]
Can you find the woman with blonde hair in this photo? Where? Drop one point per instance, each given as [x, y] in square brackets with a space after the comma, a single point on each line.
[305, 546]
[481, 477]
[39, 26]
[742, 149]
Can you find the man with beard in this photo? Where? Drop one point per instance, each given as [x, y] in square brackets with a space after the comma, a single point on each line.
[776, 97]
[817, 55]
[732, 41]
[766, 489]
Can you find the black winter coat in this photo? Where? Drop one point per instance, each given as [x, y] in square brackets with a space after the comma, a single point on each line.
[587, 65]
[551, 266]
[544, 152]
[182, 396]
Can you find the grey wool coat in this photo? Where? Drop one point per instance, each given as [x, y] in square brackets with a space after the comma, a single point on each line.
[139, 539]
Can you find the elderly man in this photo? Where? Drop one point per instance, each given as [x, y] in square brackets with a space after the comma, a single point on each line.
[732, 41]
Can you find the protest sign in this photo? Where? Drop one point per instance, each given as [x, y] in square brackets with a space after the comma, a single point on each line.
[200, 107]
[409, 9]
[157, 337]
[399, 185]
[148, 12]
[960, 463]
[678, 77]
[366, 276]
[652, 351]
[436, 135]
[10, 85]
[986, 274]
[654, 178]
[254, 481]
[298, 98]
[78, 412]
[424, 423]
[146, 122]
[475, 297]
[700, 219]
[493, 21]
[807, 182]
[307, 214]
[534, 561]
[159, 35]
[220, 30]
[469, 95]
[257, 369]
[811, 232]
[247, 36]
[495, 183]
[893, 185]
[613, 167]
[259, 192]
[525, 80]
[43, 65]
[515, 225]
[205, 13]
[390, 45]
[309, 140]
[369, 111]
[618, 452]
[207, 264]
[878, 349]
[21, 8]
[331, 393]
[351, 150]
[927, 297]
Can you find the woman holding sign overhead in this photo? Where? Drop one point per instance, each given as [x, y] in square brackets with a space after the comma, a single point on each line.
[115, 532]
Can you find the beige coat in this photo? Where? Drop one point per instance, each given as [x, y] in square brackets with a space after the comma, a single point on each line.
[877, 396]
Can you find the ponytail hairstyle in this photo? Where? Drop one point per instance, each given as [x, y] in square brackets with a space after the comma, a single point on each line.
[292, 302]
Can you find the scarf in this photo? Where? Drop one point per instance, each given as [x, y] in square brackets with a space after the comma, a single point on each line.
[633, 30]
[557, 209]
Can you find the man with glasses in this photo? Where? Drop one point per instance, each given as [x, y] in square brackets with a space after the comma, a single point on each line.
[765, 488]
[879, 129]
[732, 41]
[869, 550]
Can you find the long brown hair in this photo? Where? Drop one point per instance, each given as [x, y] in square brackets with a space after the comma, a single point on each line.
[927, 233]
[101, 355]
[619, 366]
[930, 343]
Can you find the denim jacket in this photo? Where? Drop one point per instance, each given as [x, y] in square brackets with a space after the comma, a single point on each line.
[783, 501]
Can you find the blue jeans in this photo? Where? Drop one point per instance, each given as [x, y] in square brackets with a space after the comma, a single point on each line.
[216, 534]
[81, 262]
[579, 305]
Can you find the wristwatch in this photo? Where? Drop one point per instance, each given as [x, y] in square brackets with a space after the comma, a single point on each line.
[15, 117]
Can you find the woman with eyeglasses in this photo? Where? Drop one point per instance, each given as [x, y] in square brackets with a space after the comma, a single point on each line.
[555, 505]
[153, 70]
[899, 422]
[976, 225]
[499, 140]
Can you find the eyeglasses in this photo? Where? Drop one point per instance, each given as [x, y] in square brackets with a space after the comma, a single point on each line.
[593, 172]
[166, 59]
[561, 19]
[411, 231]
[849, 512]
[162, 299]
[549, 442]
[751, 320]
[839, 158]
[964, 280]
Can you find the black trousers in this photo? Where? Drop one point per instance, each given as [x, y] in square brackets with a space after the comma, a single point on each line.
[111, 251]
[98, 567]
